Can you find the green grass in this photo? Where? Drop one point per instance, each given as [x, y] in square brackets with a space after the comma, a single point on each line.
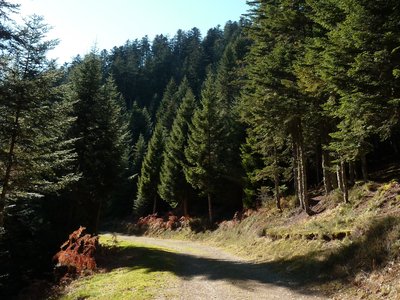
[342, 244]
[130, 273]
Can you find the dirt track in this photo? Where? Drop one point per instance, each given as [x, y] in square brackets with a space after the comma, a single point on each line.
[206, 272]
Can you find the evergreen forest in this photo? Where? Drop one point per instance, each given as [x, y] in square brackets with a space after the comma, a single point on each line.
[296, 96]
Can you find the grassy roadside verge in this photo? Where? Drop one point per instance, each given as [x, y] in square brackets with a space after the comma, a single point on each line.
[126, 274]
[349, 251]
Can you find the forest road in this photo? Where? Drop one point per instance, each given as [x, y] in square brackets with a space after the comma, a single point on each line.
[205, 272]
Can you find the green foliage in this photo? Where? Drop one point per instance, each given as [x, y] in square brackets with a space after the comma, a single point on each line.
[6, 10]
[36, 155]
[206, 151]
[140, 123]
[354, 64]
[273, 104]
[169, 104]
[103, 138]
[150, 174]
[139, 151]
[173, 187]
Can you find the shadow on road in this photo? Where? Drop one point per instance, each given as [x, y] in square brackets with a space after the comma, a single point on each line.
[301, 273]
[244, 275]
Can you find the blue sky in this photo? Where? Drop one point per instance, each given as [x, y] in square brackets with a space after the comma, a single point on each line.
[81, 24]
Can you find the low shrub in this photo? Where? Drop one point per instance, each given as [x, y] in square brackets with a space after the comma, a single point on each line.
[76, 255]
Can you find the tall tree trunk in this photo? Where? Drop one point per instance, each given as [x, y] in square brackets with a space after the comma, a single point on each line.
[277, 192]
[327, 174]
[185, 206]
[155, 204]
[210, 214]
[276, 180]
[299, 174]
[364, 169]
[339, 177]
[394, 146]
[303, 171]
[297, 136]
[296, 173]
[342, 180]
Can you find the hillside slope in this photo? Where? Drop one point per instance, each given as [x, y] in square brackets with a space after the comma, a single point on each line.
[346, 250]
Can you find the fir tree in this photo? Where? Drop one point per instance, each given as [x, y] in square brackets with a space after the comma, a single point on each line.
[271, 96]
[228, 89]
[173, 186]
[35, 154]
[205, 152]
[168, 106]
[6, 9]
[103, 139]
[356, 68]
[139, 152]
[140, 123]
[146, 199]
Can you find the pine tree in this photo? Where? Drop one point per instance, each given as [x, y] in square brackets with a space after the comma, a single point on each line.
[228, 89]
[213, 45]
[356, 68]
[6, 9]
[147, 197]
[194, 66]
[140, 123]
[159, 66]
[205, 152]
[35, 154]
[308, 70]
[272, 151]
[272, 97]
[168, 106]
[173, 186]
[139, 152]
[103, 138]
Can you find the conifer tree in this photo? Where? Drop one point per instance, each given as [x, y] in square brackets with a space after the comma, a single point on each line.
[308, 70]
[357, 62]
[194, 64]
[6, 9]
[103, 138]
[139, 152]
[205, 152]
[35, 155]
[271, 96]
[140, 123]
[173, 186]
[147, 197]
[228, 89]
[168, 106]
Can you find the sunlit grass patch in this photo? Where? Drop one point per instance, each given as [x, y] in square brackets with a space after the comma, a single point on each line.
[132, 271]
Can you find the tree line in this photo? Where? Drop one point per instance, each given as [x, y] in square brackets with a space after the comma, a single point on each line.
[296, 94]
